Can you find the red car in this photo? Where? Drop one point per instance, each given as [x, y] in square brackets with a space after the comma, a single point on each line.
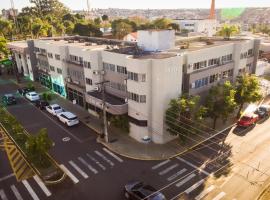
[248, 120]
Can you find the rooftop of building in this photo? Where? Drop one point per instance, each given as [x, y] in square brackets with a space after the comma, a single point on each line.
[20, 44]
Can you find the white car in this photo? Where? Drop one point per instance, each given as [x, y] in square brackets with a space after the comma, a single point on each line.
[32, 96]
[54, 109]
[68, 118]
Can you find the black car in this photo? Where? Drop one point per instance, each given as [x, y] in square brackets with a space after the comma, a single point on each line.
[262, 112]
[24, 90]
[9, 99]
[41, 104]
[138, 190]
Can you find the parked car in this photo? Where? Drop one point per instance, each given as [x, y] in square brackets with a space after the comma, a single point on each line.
[248, 120]
[68, 118]
[262, 112]
[41, 104]
[9, 99]
[138, 190]
[54, 109]
[32, 96]
[23, 91]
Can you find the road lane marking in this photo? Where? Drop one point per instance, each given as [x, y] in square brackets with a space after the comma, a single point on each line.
[96, 161]
[104, 158]
[195, 167]
[92, 169]
[16, 192]
[160, 164]
[219, 196]
[71, 176]
[30, 190]
[78, 169]
[205, 192]
[42, 186]
[165, 171]
[185, 180]
[3, 195]
[193, 187]
[6, 177]
[176, 174]
[113, 155]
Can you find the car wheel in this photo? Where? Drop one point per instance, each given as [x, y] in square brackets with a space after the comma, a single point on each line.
[127, 195]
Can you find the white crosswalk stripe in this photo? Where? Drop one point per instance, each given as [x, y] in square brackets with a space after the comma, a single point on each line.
[71, 176]
[78, 169]
[113, 155]
[165, 171]
[92, 169]
[205, 192]
[3, 195]
[16, 192]
[30, 190]
[96, 161]
[185, 180]
[104, 158]
[193, 187]
[160, 164]
[176, 174]
[195, 167]
[219, 196]
[42, 186]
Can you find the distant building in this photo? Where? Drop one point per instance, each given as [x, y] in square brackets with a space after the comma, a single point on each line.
[9, 13]
[131, 37]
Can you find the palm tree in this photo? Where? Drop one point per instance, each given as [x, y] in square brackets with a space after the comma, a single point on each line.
[228, 30]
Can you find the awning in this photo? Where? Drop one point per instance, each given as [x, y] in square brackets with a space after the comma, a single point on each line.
[6, 62]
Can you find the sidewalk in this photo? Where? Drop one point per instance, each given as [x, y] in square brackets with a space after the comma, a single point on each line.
[120, 142]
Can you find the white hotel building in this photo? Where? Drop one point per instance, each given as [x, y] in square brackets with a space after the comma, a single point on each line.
[143, 76]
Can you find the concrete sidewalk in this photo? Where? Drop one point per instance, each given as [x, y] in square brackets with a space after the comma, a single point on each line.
[120, 142]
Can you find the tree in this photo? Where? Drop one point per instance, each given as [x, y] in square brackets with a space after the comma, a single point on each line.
[220, 102]
[181, 115]
[122, 29]
[161, 23]
[3, 47]
[247, 91]
[228, 30]
[174, 26]
[6, 27]
[87, 30]
[105, 18]
[97, 21]
[37, 147]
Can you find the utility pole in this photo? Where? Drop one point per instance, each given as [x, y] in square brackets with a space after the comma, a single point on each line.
[105, 124]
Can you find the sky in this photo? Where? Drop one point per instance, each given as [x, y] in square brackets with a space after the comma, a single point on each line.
[158, 4]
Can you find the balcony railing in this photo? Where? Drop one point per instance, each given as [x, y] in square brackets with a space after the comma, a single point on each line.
[78, 64]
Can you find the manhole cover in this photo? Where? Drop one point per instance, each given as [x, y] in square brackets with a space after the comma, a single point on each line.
[66, 139]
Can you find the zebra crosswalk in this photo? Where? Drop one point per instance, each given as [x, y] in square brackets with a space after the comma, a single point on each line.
[186, 179]
[80, 168]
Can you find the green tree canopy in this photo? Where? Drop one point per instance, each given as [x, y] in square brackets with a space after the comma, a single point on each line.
[247, 90]
[220, 102]
[3, 47]
[227, 31]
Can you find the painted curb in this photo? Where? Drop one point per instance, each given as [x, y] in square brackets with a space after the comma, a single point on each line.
[263, 191]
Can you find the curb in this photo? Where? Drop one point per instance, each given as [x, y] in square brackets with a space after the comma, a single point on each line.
[93, 128]
[159, 159]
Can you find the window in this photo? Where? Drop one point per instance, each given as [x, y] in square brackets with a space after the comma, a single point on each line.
[50, 55]
[118, 86]
[214, 78]
[199, 65]
[133, 76]
[142, 77]
[227, 74]
[59, 71]
[108, 66]
[73, 58]
[57, 56]
[214, 61]
[226, 58]
[87, 64]
[250, 52]
[88, 81]
[200, 83]
[52, 68]
[121, 69]
[137, 98]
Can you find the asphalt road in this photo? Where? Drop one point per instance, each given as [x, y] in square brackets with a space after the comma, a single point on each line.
[97, 173]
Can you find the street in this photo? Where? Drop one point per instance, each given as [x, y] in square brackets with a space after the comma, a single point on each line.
[97, 173]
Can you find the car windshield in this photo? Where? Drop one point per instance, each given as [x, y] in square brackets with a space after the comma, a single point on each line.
[72, 118]
[262, 109]
[245, 118]
[11, 98]
[57, 108]
[33, 95]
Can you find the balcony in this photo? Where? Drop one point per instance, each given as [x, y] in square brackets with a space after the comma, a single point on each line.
[73, 63]
[115, 105]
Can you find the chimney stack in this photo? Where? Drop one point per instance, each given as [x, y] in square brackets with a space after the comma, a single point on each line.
[212, 11]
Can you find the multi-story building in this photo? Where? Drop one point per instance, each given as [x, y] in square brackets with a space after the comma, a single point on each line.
[141, 76]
